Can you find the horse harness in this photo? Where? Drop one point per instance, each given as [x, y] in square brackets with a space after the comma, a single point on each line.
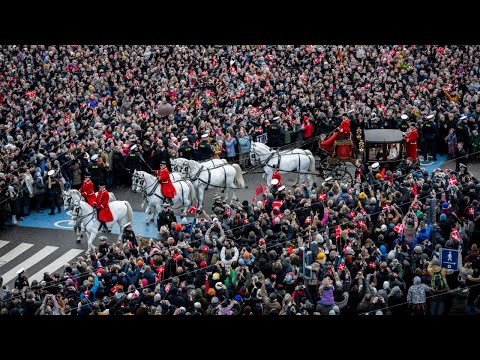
[155, 186]
[197, 176]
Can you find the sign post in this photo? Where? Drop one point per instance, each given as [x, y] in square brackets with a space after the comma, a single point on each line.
[449, 259]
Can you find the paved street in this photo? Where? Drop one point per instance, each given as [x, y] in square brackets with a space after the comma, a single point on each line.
[43, 243]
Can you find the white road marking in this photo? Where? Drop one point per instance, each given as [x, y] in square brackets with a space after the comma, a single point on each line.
[57, 264]
[12, 254]
[28, 263]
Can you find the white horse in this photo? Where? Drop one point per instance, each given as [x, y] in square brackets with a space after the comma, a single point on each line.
[73, 197]
[297, 160]
[87, 215]
[222, 176]
[150, 187]
[180, 164]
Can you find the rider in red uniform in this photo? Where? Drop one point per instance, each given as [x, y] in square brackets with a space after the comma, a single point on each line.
[342, 131]
[101, 204]
[168, 190]
[87, 190]
[411, 137]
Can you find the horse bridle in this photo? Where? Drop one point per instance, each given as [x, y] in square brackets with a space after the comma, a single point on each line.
[69, 198]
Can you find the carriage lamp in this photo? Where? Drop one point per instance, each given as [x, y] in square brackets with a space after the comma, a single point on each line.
[361, 144]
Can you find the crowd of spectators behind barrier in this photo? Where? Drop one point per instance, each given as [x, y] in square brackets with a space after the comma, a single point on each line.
[60, 105]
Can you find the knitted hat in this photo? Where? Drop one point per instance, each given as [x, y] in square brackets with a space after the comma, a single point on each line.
[211, 292]
[373, 200]
[178, 227]
[445, 205]
[378, 176]
[443, 217]
[363, 195]
[205, 249]
[436, 262]
[216, 276]
[383, 228]
[417, 249]
[203, 264]
[140, 262]
[218, 286]
[246, 255]
[321, 256]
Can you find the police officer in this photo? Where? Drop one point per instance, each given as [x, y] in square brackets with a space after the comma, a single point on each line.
[429, 132]
[205, 150]
[186, 150]
[53, 190]
[166, 216]
[275, 133]
[129, 235]
[133, 161]
[463, 132]
[96, 171]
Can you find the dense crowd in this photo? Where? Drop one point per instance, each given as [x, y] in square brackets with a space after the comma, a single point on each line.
[326, 248]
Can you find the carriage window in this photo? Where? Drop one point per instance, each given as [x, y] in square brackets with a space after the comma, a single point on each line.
[393, 151]
[375, 152]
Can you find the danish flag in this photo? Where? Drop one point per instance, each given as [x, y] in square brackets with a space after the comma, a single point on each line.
[399, 228]
[337, 232]
[352, 214]
[192, 210]
[254, 199]
[471, 211]
[259, 189]
[415, 206]
[455, 235]
[453, 180]
[277, 203]
[31, 93]
[322, 197]
[227, 211]
[361, 223]
[269, 57]
[363, 211]
[386, 207]
[308, 220]
[341, 266]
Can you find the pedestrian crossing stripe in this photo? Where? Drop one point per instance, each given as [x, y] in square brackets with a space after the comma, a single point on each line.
[7, 259]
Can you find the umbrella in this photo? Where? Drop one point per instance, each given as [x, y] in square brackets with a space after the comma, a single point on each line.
[165, 110]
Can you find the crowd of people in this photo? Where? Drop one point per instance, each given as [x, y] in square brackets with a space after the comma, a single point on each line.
[368, 247]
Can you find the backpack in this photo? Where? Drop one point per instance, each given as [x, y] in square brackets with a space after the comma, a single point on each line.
[437, 281]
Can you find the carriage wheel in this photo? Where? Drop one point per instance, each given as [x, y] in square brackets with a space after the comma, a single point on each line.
[326, 169]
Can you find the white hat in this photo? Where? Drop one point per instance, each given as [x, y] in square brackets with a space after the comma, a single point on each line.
[375, 165]
[276, 118]
[461, 118]
[20, 271]
[328, 178]
[383, 227]
[184, 139]
[94, 157]
[281, 188]
[165, 204]
[51, 173]
[204, 136]
[430, 117]
[350, 111]
[127, 225]
[232, 62]
[133, 147]
[404, 117]
[274, 182]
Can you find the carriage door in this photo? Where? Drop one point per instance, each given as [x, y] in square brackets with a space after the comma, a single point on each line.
[377, 152]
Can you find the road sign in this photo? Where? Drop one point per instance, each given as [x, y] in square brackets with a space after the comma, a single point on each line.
[449, 259]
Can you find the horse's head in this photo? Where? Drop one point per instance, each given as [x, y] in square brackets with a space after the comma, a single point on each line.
[138, 182]
[67, 200]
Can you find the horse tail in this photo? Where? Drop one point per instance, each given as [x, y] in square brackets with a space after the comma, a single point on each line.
[129, 212]
[238, 175]
[112, 197]
[192, 196]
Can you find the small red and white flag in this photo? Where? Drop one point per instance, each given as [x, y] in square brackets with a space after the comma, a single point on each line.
[399, 228]
[372, 265]
[362, 223]
[168, 287]
[363, 211]
[308, 220]
[341, 266]
[352, 214]
[386, 207]
[265, 202]
[455, 235]
[31, 93]
[453, 180]
[277, 203]
[471, 211]
[337, 232]
[322, 197]
[192, 210]
[415, 206]
[254, 199]
[269, 57]
[228, 212]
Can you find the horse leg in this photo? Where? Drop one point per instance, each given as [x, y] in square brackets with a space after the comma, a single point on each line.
[200, 198]
[90, 247]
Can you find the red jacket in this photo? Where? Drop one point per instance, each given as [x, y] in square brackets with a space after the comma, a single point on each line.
[276, 175]
[87, 192]
[307, 130]
[168, 190]
[101, 203]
